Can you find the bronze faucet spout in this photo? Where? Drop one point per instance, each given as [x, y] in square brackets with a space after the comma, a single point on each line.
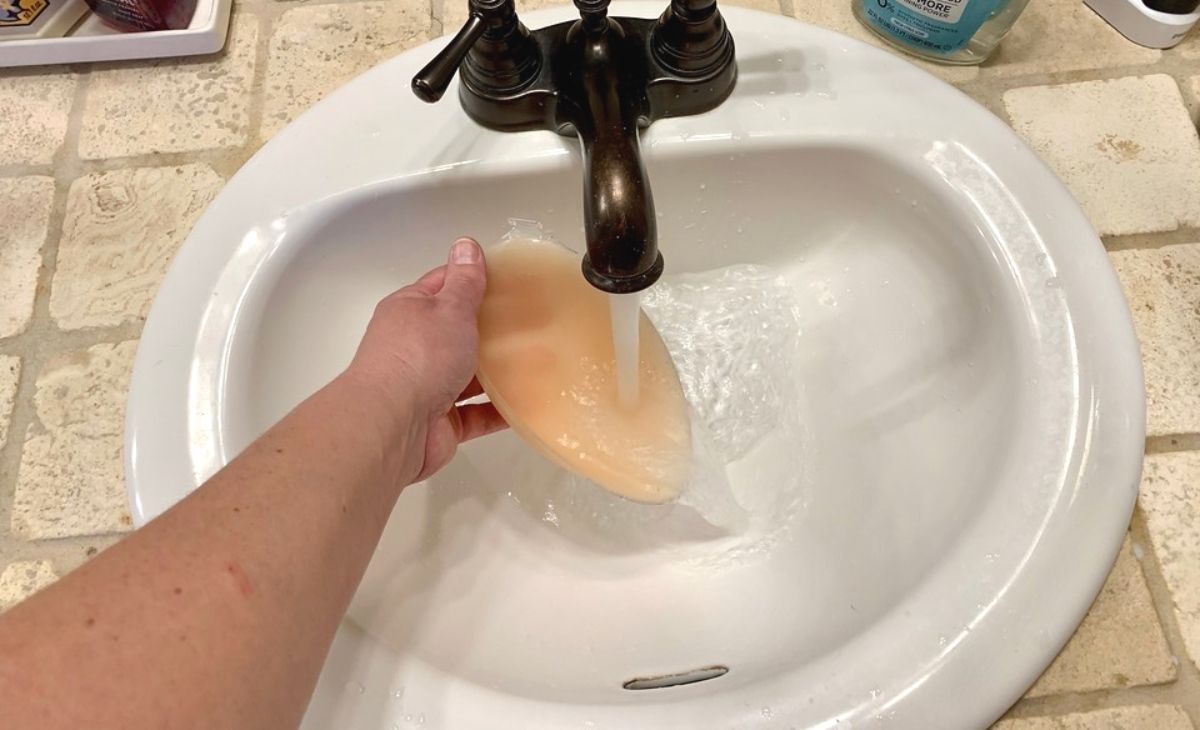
[618, 207]
[602, 79]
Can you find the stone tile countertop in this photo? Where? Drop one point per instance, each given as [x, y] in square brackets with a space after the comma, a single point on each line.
[104, 168]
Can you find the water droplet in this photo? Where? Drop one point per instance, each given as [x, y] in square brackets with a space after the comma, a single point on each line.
[1138, 551]
[875, 693]
[766, 712]
[398, 694]
[703, 186]
[355, 687]
[1052, 282]
[421, 719]
[1041, 259]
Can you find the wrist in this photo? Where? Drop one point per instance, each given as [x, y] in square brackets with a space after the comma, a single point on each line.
[389, 418]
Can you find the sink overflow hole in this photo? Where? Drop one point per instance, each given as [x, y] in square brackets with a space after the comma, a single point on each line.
[676, 680]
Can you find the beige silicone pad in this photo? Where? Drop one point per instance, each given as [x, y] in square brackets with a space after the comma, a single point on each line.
[546, 361]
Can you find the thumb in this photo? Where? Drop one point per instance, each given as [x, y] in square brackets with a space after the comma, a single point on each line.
[466, 276]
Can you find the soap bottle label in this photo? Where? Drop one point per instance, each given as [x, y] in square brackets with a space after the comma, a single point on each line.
[938, 26]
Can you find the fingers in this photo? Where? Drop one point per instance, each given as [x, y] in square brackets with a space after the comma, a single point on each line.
[431, 283]
[466, 276]
[479, 419]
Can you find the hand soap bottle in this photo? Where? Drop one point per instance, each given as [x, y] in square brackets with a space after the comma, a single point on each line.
[961, 32]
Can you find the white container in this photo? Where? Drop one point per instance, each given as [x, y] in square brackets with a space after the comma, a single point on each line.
[92, 40]
[1142, 25]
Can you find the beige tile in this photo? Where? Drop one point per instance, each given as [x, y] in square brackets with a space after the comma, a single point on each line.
[25, 204]
[454, 12]
[1138, 717]
[22, 579]
[1170, 497]
[33, 113]
[1125, 147]
[70, 479]
[767, 6]
[1119, 643]
[837, 15]
[172, 105]
[316, 49]
[120, 231]
[1064, 35]
[10, 376]
[1163, 289]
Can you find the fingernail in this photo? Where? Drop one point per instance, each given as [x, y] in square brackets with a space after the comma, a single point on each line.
[465, 251]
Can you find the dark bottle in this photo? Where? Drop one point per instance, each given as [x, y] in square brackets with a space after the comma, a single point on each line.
[143, 15]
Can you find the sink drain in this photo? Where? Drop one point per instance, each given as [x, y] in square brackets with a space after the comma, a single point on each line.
[675, 680]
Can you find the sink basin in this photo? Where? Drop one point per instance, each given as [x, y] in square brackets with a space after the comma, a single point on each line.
[967, 381]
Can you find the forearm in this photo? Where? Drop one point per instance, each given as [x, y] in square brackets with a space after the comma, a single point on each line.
[220, 612]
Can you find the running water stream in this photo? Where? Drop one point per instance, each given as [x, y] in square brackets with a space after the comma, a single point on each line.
[625, 310]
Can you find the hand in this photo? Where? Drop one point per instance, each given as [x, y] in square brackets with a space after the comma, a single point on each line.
[420, 351]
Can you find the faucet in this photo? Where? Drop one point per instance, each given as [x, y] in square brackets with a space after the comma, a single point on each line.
[601, 79]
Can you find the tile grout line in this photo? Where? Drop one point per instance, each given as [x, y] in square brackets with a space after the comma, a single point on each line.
[1149, 241]
[1172, 443]
[267, 15]
[1187, 683]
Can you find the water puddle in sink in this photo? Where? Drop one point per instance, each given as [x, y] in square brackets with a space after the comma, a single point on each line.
[735, 336]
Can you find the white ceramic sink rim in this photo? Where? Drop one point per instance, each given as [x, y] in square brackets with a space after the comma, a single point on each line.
[172, 446]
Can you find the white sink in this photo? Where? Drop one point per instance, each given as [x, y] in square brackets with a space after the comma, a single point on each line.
[969, 386]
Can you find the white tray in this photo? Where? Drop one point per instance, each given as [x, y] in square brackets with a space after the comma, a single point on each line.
[91, 40]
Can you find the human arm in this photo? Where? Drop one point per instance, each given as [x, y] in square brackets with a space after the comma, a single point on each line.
[219, 613]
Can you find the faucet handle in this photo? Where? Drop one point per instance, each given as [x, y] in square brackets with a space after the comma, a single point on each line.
[495, 51]
[690, 40]
[430, 82]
